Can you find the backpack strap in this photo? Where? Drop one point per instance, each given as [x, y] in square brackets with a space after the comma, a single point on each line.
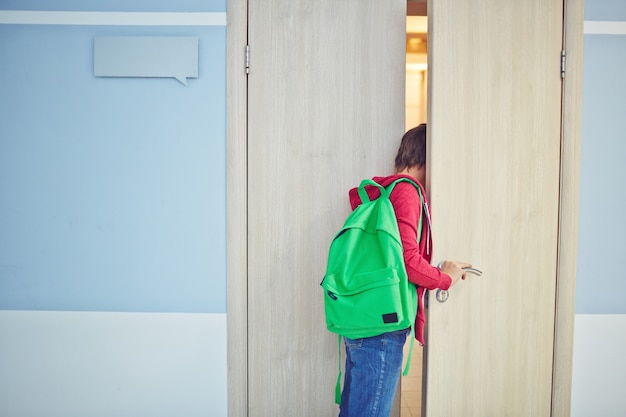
[365, 198]
[412, 336]
[338, 386]
[424, 210]
[423, 205]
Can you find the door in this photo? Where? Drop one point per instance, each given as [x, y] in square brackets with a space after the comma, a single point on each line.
[494, 118]
[325, 109]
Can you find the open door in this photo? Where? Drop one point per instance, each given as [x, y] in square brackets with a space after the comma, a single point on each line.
[494, 148]
[325, 110]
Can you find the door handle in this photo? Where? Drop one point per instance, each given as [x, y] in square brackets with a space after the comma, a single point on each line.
[442, 295]
[474, 271]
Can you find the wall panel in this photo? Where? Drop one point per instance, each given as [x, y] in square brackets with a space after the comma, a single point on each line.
[112, 216]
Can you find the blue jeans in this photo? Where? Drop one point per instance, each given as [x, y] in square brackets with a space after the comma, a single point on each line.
[373, 367]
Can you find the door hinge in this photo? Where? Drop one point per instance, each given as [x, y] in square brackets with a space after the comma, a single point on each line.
[562, 64]
[247, 59]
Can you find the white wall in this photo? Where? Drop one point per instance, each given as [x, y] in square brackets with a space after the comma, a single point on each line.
[93, 364]
[599, 374]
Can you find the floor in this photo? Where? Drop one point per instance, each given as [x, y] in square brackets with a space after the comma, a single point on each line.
[411, 385]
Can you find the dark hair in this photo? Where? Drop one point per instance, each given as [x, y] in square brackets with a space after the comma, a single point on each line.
[412, 149]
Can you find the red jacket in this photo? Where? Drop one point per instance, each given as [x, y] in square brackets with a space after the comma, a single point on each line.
[406, 203]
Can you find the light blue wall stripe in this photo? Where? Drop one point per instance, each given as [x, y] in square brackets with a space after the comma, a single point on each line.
[112, 190]
[117, 5]
[592, 27]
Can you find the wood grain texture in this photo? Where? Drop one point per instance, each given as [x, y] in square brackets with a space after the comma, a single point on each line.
[568, 222]
[494, 161]
[236, 204]
[326, 109]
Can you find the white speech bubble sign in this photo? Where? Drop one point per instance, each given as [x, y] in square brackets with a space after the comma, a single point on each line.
[143, 56]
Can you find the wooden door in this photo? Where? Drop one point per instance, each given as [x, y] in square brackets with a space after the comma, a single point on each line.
[325, 109]
[494, 143]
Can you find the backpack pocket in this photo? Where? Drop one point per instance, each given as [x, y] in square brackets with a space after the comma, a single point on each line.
[366, 304]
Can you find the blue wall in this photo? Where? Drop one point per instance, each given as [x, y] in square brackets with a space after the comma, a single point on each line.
[112, 190]
[602, 229]
[605, 10]
[112, 216]
[599, 366]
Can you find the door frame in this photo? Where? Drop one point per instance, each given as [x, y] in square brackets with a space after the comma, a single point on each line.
[236, 205]
[571, 113]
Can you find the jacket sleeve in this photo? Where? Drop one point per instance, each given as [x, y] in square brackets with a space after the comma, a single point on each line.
[406, 203]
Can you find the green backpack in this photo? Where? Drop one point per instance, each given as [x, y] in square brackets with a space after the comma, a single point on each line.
[366, 288]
